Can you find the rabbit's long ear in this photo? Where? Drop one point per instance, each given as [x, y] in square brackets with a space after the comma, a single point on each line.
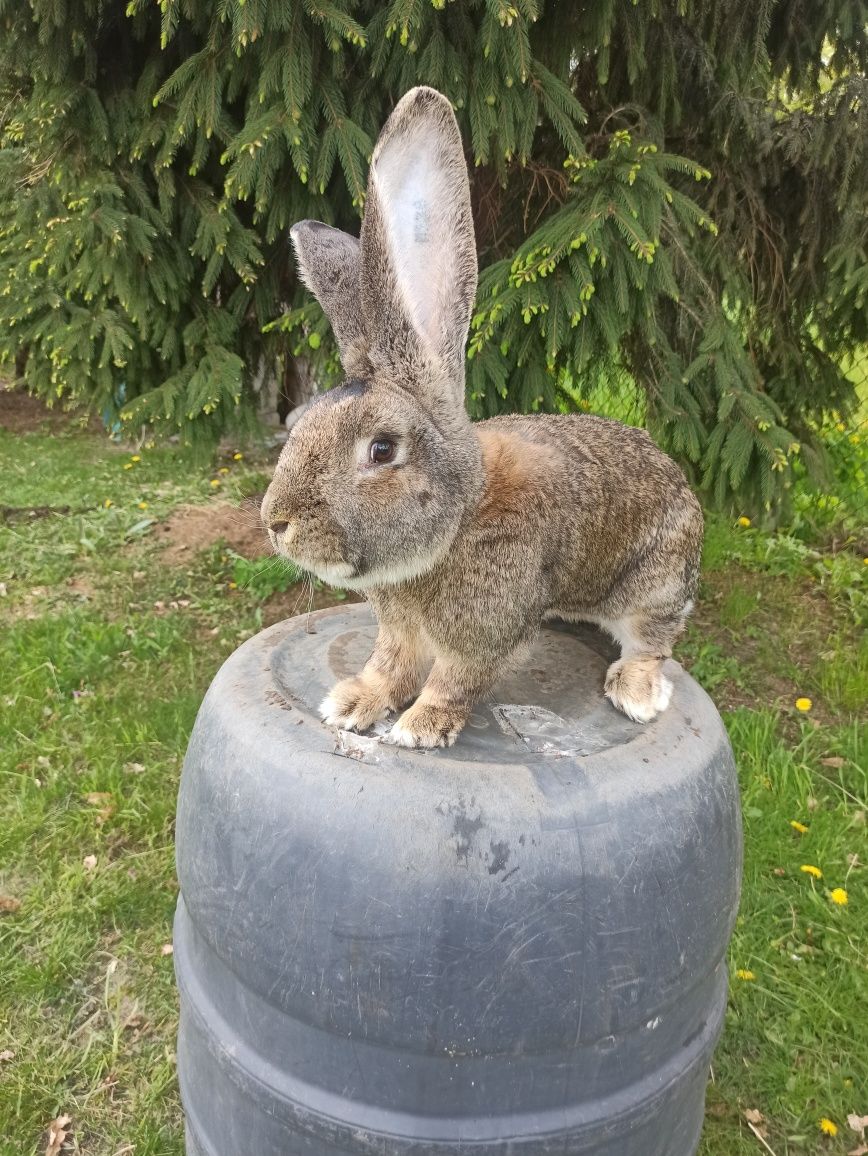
[418, 249]
[329, 261]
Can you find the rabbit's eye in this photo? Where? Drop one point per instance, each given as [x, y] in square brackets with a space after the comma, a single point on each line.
[381, 451]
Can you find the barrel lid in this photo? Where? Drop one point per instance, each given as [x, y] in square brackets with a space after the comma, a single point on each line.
[551, 704]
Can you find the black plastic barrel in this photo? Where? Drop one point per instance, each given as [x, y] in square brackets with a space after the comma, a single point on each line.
[513, 946]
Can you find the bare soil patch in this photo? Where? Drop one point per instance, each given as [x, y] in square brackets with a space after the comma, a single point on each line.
[194, 528]
[22, 413]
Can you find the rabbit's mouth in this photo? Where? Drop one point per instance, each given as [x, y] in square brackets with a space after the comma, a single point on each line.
[283, 538]
[332, 572]
[335, 573]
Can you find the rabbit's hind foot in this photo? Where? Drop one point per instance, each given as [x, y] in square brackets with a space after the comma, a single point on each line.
[638, 687]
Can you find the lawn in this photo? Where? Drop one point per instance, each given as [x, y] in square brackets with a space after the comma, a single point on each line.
[127, 577]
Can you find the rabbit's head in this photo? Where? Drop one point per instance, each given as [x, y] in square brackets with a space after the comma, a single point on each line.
[375, 478]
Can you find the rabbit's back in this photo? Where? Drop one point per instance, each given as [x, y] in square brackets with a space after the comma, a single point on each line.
[595, 452]
[612, 517]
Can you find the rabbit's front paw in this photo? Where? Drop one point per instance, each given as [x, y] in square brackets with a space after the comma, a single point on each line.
[354, 704]
[424, 725]
[638, 687]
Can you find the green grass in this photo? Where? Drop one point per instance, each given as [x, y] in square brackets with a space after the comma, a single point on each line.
[99, 690]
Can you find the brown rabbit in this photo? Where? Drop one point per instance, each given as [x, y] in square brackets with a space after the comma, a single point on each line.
[464, 537]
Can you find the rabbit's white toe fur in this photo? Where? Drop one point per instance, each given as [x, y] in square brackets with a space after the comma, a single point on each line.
[638, 688]
[401, 736]
[427, 726]
[331, 714]
[352, 706]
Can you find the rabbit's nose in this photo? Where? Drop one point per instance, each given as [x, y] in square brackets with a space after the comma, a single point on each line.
[285, 530]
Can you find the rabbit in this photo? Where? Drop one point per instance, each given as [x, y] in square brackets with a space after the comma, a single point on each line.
[463, 536]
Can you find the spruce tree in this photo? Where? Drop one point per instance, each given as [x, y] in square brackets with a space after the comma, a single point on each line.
[670, 200]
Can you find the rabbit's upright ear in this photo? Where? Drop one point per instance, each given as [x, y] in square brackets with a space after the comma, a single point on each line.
[418, 249]
[329, 261]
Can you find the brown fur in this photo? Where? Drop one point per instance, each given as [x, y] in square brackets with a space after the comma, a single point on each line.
[510, 478]
[472, 534]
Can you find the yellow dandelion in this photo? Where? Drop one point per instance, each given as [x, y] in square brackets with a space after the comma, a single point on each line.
[215, 482]
[143, 505]
[839, 896]
[840, 427]
[797, 826]
[223, 470]
[743, 521]
[744, 974]
[108, 503]
[803, 704]
[854, 439]
[128, 465]
[233, 585]
[135, 458]
[810, 869]
[828, 1126]
[237, 457]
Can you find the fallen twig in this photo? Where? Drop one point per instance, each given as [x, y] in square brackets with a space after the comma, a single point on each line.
[761, 1138]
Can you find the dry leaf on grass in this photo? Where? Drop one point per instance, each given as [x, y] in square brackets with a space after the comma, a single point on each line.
[834, 761]
[57, 1133]
[166, 949]
[756, 1120]
[89, 862]
[858, 1123]
[104, 801]
[8, 904]
[860, 1151]
[6, 1055]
